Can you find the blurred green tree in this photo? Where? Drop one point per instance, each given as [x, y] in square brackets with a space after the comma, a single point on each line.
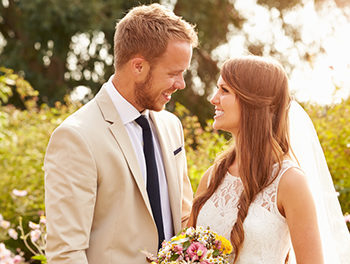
[40, 37]
[61, 44]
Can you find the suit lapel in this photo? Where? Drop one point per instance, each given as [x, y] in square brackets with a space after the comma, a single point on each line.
[121, 136]
[170, 169]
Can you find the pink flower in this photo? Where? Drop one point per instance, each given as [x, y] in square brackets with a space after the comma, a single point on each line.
[17, 259]
[33, 225]
[196, 250]
[12, 233]
[35, 235]
[347, 218]
[5, 224]
[19, 193]
[43, 219]
[178, 249]
[218, 244]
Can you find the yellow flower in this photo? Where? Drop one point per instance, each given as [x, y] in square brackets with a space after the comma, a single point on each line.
[178, 237]
[225, 244]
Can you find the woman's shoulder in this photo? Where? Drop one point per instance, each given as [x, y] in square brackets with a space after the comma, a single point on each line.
[205, 180]
[293, 182]
[292, 176]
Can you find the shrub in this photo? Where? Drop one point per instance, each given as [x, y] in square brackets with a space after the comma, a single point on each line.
[332, 124]
[24, 134]
[202, 144]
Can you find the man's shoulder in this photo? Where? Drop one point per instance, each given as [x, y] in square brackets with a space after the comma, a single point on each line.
[85, 115]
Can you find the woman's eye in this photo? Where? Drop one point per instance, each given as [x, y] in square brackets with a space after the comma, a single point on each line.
[224, 90]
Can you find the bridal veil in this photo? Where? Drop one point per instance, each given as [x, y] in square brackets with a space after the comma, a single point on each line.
[309, 154]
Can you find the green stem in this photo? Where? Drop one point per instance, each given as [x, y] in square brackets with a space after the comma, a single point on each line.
[24, 237]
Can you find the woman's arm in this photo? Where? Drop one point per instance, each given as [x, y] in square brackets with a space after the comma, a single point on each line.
[296, 203]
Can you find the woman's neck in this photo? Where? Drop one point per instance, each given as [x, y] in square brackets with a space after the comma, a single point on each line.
[233, 169]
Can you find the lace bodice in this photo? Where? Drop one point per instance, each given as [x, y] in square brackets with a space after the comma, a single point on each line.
[267, 238]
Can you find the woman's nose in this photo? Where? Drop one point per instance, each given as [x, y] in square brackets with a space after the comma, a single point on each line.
[215, 99]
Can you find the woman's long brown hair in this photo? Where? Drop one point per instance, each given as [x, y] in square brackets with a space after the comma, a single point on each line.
[261, 87]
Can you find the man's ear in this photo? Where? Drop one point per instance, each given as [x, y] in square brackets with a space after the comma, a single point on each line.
[139, 67]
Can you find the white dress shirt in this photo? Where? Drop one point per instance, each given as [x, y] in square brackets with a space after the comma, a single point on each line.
[128, 113]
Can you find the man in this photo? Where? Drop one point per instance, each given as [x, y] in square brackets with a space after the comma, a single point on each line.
[104, 200]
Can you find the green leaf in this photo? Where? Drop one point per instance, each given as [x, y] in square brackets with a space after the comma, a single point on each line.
[186, 245]
[216, 253]
[174, 257]
[42, 258]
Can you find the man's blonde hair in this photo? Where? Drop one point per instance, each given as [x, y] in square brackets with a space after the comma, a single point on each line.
[146, 30]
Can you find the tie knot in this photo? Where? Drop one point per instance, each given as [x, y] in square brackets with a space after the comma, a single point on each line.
[142, 122]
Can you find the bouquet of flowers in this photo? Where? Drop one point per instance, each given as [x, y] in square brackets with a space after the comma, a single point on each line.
[194, 245]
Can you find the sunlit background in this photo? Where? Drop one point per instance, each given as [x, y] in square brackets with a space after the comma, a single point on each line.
[324, 77]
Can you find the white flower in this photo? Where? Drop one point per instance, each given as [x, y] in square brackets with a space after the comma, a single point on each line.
[43, 219]
[33, 225]
[19, 193]
[35, 235]
[12, 233]
[190, 231]
[1, 218]
[5, 224]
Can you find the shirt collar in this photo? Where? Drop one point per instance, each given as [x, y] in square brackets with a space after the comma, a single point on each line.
[127, 111]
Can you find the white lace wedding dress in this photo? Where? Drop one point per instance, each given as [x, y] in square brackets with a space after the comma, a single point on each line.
[267, 238]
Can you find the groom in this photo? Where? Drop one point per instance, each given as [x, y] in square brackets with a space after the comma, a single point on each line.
[115, 171]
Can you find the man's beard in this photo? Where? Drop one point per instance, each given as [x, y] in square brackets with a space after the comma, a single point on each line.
[143, 95]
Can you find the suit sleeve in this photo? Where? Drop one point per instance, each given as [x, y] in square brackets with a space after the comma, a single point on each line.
[187, 193]
[70, 194]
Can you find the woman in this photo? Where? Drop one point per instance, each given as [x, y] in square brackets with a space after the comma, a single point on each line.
[254, 194]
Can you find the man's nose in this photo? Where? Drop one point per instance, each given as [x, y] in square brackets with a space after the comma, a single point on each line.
[180, 83]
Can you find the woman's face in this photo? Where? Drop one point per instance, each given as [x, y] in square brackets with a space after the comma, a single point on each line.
[227, 109]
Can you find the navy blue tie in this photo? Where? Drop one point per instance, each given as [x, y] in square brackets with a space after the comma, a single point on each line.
[152, 176]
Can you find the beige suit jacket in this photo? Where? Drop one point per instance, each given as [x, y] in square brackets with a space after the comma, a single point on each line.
[96, 201]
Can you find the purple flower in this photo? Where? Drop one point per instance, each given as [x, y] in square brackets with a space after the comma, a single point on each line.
[196, 250]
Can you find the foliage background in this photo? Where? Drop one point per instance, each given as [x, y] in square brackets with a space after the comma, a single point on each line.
[24, 134]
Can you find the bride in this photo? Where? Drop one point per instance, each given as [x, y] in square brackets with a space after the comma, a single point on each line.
[270, 193]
